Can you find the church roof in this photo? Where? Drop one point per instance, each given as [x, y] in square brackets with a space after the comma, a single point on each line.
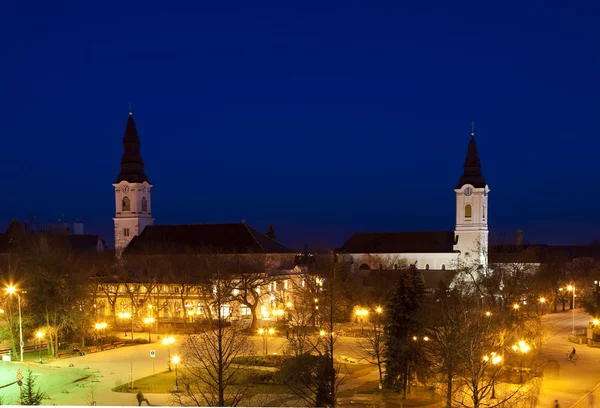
[472, 167]
[132, 164]
[206, 238]
[400, 242]
[16, 237]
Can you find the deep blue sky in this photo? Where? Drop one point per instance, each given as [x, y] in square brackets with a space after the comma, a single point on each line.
[325, 118]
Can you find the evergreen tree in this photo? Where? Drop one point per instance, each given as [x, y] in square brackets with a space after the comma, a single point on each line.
[404, 332]
[30, 394]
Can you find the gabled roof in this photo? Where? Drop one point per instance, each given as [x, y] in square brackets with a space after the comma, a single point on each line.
[472, 167]
[16, 237]
[400, 242]
[205, 238]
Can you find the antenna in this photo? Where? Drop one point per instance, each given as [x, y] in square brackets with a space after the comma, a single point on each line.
[472, 128]
[130, 108]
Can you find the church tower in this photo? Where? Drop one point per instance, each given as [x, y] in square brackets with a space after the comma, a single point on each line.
[471, 233]
[132, 191]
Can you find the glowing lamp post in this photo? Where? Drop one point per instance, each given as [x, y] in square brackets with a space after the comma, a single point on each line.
[149, 321]
[40, 336]
[176, 361]
[11, 291]
[127, 315]
[523, 348]
[100, 327]
[571, 288]
[167, 341]
[495, 359]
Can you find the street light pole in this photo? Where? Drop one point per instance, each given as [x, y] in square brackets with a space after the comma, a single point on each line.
[11, 289]
[20, 326]
[572, 288]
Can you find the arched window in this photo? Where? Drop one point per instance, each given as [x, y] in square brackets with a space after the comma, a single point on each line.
[443, 267]
[468, 211]
[395, 266]
[144, 204]
[427, 266]
[125, 204]
[364, 267]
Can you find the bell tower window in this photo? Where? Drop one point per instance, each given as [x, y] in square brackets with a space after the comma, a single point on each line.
[144, 204]
[125, 204]
[468, 211]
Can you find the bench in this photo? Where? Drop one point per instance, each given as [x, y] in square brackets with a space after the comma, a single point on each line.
[63, 354]
[91, 349]
[118, 344]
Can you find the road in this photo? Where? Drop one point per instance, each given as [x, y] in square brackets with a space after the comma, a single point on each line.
[571, 381]
[110, 368]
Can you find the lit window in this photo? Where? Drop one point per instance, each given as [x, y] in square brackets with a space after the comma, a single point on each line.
[468, 211]
[125, 204]
[246, 311]
[225, 311]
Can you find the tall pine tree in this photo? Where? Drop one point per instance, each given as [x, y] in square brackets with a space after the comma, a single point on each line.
[404, 331]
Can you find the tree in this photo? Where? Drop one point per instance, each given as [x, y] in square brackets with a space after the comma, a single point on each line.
[372, 347]
[309, 377]
[58, 283]
[404, 330]
[30, 394]
[246, 284]
[209, 376]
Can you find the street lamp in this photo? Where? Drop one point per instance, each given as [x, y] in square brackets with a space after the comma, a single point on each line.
[176, 361]
[516, 306]
[100, 327]
[12, 290]
[495, 360]
[571, 288]
[40, 336]
[127, 315]
[167, 341]
[542, 301]
[523, 348]
[149, 321]
[264, 333]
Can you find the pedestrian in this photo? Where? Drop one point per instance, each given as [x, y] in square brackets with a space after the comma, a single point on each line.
[556, 404]
[140, 398]
[591, 400]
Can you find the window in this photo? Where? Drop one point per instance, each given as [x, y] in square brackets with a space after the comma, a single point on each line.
[246, 311]
[443, 267]
[427, 266]
[144, 204]
[125, 204]
[126, 232]
[468, 211]
[395, 266]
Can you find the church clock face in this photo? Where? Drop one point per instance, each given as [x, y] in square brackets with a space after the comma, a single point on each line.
[468, 191]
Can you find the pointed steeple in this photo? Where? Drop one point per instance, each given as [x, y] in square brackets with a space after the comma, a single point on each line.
[132, 164]
[472, 168]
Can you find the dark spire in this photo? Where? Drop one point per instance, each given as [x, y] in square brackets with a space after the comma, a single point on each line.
[132, 165]
[472, 169]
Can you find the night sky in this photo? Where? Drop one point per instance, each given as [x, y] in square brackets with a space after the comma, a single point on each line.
[324, 118]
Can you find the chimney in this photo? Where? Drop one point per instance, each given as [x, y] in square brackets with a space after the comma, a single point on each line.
[519, 237]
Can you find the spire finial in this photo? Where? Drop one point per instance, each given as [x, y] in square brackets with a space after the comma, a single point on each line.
[130, 109]
[473, 128]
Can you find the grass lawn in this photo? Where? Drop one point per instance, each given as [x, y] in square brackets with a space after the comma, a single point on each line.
[419, 397]
[165, 381]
